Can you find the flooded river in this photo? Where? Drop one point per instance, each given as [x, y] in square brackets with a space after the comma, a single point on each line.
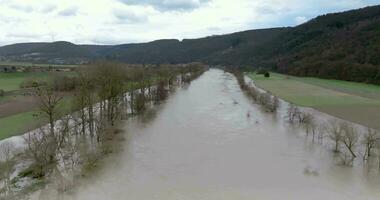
[203, 145]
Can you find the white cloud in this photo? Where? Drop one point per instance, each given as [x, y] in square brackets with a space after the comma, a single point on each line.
[168, 5]
[124, 21]
[300, 20]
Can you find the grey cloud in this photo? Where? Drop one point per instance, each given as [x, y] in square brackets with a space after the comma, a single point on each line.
[128, 17]
[71, 11]
[168, 5]
[22, 8]
[48, 8]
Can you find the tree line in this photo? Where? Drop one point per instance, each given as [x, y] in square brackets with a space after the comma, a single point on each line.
[101, 95]
[348, 141]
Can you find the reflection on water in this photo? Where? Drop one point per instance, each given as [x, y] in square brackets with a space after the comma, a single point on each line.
[203, 144]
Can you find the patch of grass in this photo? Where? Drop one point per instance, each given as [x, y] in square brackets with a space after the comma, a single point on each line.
[347, 100]
[360, 89]
[22, 122]
[18, 124]
[12, 81]
[29, 64]
[301, 92]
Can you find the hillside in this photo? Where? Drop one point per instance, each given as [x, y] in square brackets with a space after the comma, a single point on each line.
[341, 46]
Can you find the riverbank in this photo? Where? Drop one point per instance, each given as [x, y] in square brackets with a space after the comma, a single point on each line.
[59, 156]
[202, 144]
[355, 102]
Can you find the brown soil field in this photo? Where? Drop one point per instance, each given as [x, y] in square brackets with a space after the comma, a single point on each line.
[17, 104]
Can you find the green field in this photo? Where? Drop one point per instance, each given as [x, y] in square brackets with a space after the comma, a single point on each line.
[356, 102]
[22, 122]
[17, 124]
[12, 81]
[29, 64]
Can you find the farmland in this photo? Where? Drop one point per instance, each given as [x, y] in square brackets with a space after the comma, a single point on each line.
[338, 98]
[12, 81]
[18, 112]
[29, 64]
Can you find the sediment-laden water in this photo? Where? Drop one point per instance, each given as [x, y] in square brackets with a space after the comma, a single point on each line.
[209, 141]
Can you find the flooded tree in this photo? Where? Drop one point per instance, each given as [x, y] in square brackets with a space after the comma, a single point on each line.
[41, 148]
[109, 79]
[308, 122]
[6, 168]
[292, 112]
[85, 98]
[44, 145]
[139, 103]
[99, 94]
[370, 139]
[350, 137]
[335, 133]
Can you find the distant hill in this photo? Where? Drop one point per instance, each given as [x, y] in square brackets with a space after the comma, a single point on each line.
[342, 45]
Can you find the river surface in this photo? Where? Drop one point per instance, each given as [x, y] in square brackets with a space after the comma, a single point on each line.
[202, 145]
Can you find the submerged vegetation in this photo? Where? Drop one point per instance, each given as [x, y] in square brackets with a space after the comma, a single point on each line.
[267, 100]
[348, 140]
[70, 145]
[337, 98]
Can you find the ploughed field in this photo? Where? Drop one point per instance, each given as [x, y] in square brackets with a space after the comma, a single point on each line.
[210, 141]
[356, 102]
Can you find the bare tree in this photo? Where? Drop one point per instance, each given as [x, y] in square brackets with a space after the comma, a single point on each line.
[292, 112]
[350, 137]
[308, 122]
[335, 133]
[49, 101]
[369, 140]
[6, 166]
[42, 148]
[275, 103]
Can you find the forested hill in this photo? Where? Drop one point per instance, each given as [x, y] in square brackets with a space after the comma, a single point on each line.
[341, 45]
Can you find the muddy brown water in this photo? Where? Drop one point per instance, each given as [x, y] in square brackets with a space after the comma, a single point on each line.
[202, 144]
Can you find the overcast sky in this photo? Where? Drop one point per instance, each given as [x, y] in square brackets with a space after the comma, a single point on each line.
[125, 21]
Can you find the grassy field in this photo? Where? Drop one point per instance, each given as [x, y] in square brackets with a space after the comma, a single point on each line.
[17, 112]
[24, 121]
[29, 64]
[12, 81]
[17, 124]
[356, 102]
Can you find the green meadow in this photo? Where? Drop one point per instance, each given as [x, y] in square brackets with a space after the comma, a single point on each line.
[356, 102]
[12, 81]
[29, 64]
[18, 124]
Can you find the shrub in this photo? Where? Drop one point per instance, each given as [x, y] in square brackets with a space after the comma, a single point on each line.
[267, 74]
[2, 93]
[30, 83]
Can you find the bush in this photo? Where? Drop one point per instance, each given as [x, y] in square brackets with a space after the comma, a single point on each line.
[267, 74]
[2, 93]
[30, 83]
